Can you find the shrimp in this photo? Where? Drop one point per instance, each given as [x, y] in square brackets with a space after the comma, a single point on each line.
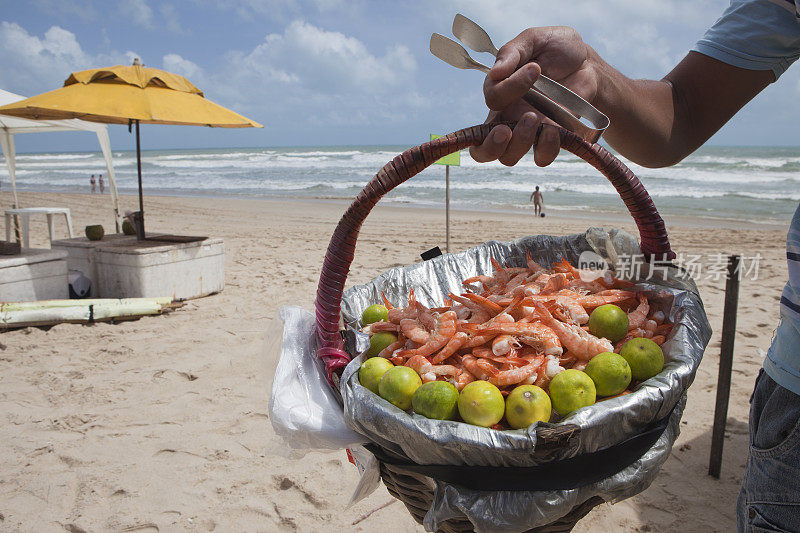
[479, 339]
[500, 273]
[637, 317]
[396, 314]
[428, 371]
[478, 314]
[450, 348]
[382, 325]
[513, 376]
[386, 301]
[549, 367]
[471, 364]
[388, 352]
[413, 329]
[491, 307]
[565, 267]
[567, 309]
[533, 334]
[580, 343]
[441, 335]
[534, 267]
[504, 344]
[611, 296]
[659, 339]
[544, 340]
[463, 379]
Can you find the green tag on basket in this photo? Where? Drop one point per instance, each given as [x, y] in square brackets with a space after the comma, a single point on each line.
[453, 159]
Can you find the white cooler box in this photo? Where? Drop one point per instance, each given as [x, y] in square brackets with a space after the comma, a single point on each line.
[35, 274]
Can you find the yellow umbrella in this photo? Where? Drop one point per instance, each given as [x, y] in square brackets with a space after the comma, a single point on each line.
[129, 95]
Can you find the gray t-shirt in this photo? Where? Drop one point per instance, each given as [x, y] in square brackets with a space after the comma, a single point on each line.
[765, 35]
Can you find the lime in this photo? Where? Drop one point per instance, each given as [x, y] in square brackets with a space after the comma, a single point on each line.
[527, 404]
[608, 321]
[378, 342]
[610, 372]
[374, 313]
[481, 404]
[570, 390]
[371, 372]
[644, 356]
[436, 399]
[397, 386]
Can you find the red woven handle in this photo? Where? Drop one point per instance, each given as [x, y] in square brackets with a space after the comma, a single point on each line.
[653, 233]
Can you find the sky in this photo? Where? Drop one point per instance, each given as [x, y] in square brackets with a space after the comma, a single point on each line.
[341, 72]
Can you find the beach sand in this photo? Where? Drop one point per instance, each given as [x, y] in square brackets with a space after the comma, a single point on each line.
[161, 424]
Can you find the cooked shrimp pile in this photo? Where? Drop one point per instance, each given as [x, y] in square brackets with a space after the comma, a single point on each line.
[524, 326]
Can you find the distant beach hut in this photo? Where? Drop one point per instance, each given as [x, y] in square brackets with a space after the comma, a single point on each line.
[129, 95]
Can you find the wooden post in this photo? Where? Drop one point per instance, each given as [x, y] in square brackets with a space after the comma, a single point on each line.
[725, 365]
[447, 206]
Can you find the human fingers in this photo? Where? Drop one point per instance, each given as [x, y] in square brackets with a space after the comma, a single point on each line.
[516, 53]
[522, 138]
[494, 145]
[547, 144]
[501, 94]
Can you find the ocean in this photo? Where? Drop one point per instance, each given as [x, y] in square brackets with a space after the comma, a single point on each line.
[750, 184]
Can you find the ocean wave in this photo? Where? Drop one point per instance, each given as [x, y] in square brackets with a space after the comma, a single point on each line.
[54, 157]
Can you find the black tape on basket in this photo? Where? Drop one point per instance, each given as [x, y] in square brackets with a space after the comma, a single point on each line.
[570, 473]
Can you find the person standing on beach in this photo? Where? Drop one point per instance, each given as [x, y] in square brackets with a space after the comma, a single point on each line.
[102, 184]
[93, 184]
[656, 123]
[536, 198]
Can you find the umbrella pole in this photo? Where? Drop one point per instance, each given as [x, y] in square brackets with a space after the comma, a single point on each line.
[140, 232]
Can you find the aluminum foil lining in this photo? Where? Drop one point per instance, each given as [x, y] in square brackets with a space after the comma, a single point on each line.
[604, 424]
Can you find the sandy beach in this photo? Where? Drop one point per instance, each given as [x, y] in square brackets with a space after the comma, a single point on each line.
[161, 424]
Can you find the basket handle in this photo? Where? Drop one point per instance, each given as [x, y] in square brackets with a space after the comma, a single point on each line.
[341, 250]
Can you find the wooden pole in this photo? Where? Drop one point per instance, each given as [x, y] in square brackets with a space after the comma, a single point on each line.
[447, 205]
[725, 365]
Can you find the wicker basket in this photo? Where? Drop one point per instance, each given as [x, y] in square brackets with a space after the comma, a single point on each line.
[413, 489]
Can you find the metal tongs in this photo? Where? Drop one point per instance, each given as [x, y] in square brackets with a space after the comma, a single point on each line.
[548, 96]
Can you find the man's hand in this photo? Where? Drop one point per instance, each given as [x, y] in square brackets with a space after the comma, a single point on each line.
[653, 123]
[559, 53]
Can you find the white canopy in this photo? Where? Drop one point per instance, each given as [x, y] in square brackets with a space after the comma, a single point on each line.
[10, 126]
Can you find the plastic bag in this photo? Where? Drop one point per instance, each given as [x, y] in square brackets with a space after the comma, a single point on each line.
[303, 410]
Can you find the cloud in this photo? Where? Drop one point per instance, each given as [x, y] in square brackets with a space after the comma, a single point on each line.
[30, 61]
[319, 77]
[178, 65]
[138, 11]
[328, 61]
[31, 64]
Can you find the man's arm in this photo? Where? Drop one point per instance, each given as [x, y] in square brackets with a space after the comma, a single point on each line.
[654, 123]
[658, 123]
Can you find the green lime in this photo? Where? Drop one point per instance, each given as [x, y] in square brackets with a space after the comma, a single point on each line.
[371, 372]
[374, 313]
[608, 321]
[610, 372]
[378, 342]
[644, 356]
[481, 404]
[398, 385]
[436, 399]
[570, 390]
[527, 404]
